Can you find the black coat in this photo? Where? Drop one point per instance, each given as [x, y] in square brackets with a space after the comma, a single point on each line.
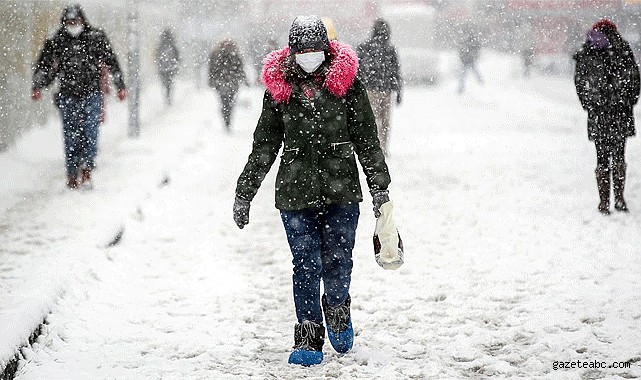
[470, 48]
[167, 55]
[76, 62]
[378, 64]
[226, 71]
[607, 83]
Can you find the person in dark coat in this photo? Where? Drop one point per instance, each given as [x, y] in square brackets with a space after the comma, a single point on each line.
[168, 59]
[380, 72]
[75, 55]
[226, 73]
[607, 83]
[469, 53]
[317, 109]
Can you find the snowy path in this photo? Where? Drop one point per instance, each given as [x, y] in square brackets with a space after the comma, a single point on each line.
[509, 266]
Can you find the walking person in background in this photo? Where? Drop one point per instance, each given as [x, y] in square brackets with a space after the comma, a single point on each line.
[318, 109]
[379, 70]
[168, 59]
[607, 83]
[469, 52]
[226, 73]
[75, 55]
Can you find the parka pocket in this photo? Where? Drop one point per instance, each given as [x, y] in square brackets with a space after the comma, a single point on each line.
[342, 149]
[340, 160]
[289, 155]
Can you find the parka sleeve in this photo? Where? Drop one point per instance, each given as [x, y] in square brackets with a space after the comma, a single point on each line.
[268, 138]
[581, 82]
[45, 71]
[364, 136]
[633, 85]
[110, 59]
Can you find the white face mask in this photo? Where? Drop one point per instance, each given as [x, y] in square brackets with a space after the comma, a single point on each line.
[74, 30]
[310, 61]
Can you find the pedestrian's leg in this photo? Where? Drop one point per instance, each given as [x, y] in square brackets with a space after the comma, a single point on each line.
[92, 109]
[386, 106]
[338, 237]
[462, 77]
[231, 101]
[167, 82]
[618, 174]
[303, 234]
[225, 108]
[604, 153]
[477, 73]
[72, 138]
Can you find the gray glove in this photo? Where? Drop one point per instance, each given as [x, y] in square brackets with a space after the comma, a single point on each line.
[379, 197]
[241, 212]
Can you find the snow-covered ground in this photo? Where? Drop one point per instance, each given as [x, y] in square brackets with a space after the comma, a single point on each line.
[509, 267]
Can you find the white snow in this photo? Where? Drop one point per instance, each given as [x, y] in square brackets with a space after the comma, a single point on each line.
[508, 265]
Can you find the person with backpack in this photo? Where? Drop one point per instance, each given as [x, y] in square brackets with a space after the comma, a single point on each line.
[607, 84]
[75, 55]
[317, 110]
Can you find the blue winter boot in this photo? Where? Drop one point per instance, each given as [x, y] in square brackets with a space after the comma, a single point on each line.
[339, 325]
[309, 338]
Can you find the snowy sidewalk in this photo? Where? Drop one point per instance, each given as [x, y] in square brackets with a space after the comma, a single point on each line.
[49, 235]
[509, 266]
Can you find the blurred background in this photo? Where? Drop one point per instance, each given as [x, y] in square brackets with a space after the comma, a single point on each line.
[423, 31]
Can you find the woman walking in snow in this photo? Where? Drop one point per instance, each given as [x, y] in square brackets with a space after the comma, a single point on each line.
[607, 82]
[316, 107]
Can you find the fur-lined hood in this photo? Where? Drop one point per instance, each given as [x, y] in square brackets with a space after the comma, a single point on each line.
[338, 80]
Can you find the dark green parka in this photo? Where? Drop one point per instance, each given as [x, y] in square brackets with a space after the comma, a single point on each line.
[322, 123]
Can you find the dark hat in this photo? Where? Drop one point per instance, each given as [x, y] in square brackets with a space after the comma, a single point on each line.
[73, 12]
[308, 32]
[604, 25]
[380, 29]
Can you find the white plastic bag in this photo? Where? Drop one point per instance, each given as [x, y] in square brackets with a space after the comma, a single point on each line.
[388, 246]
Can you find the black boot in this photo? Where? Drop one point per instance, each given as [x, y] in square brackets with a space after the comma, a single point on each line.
[309, 338]
[73, 182]
[603, 183]
[339, 325]
[618, 182]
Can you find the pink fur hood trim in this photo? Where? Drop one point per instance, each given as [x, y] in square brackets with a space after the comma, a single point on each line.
[340, 76]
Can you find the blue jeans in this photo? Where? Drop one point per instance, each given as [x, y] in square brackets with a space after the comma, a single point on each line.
[80, 122]
[321, 241]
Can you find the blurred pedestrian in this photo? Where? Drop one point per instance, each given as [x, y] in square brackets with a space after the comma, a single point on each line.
[469, 52]
[226, 73]
[607, 83]
[260, 48]
[75, 55]
[380, 72]
[527, 47]
[318, 110]
[332, 34]
[168, 60]
[528, 59]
